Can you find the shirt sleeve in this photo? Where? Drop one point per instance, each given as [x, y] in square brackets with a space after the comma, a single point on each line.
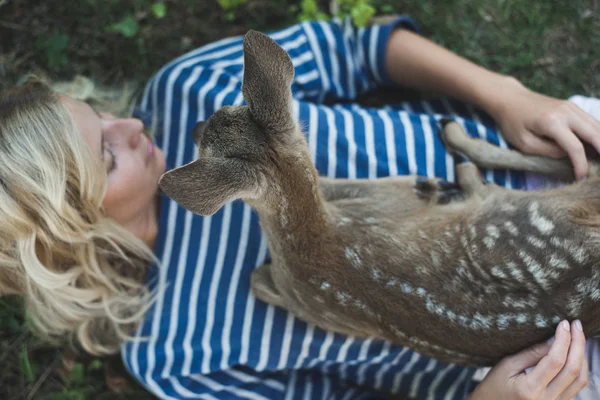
[344, 61]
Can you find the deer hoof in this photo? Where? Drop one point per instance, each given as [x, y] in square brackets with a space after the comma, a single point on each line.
[439, 190]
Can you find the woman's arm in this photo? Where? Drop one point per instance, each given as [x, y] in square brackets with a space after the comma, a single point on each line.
[416, 62]
[532, 122]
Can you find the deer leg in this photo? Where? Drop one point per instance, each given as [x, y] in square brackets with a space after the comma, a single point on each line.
[438, 191]
[263, 286]
[487, 155]
[336, 189]
[471, 182]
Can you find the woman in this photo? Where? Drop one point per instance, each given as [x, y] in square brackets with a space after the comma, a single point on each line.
[80, 206]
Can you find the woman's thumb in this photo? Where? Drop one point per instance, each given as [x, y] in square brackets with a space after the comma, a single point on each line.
[527, 358]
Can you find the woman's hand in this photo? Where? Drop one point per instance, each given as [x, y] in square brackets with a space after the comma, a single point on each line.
[560, 370]
[543, 125]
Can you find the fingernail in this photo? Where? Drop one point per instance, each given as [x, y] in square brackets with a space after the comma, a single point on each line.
[566, 326]
[578, 325]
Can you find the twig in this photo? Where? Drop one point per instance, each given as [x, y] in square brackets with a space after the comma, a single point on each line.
[41, 380]
[12, 25]
[14, 343]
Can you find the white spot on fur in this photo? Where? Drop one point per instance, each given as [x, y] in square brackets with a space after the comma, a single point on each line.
[371, 220]
[503, 320]
[514, 270]
[544, 225]
[451, 315]
[406, 288]
[392, 283]
[435, 259]
[511, 228]
[497, 272]
[534, 268]
[489, 242]
[375, 274]
[556, 319]
[535, 242]
[481, 322]
[464, 242]
[518, 303]
[493, 231]
[283, 208]
[574, 306]
[578, 253]
[342, 297]
[472, 232]
[344, 221]
[557, 262]
[421, 292]
[422, 234]
[359, 304]
[540, 321]
[352, 255]
[508, 207]
[325, 285]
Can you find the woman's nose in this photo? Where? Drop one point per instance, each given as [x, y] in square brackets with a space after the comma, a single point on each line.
[129, 129]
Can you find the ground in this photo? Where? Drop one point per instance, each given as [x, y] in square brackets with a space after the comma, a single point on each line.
[552, 46]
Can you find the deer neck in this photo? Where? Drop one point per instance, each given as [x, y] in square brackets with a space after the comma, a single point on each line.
[293, 203]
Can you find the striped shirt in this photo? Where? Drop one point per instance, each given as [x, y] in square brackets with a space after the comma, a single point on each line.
[207, 336]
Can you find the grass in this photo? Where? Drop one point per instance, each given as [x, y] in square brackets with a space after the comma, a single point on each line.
[553, 46]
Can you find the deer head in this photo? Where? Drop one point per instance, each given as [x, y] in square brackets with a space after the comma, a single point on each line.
[239, 146]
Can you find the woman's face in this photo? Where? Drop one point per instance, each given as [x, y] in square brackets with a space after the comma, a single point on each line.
[132, 163]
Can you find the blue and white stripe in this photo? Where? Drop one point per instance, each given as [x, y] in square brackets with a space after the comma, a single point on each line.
[206, 336]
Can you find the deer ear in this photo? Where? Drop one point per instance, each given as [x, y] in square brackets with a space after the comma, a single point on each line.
[205, 185]
[268, 76]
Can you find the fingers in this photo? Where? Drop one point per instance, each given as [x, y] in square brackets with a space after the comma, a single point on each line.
[573, 377]
[579, 383]
[552, 364]
[570, 143]
[586, 127]
[533, 144]
[529, 357]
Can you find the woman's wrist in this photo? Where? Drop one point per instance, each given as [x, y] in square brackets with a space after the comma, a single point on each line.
[497, 93]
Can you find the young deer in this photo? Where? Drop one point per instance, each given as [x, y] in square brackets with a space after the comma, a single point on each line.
[464, 273]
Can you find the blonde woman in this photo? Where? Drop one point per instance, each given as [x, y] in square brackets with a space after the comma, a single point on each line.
[101, 256]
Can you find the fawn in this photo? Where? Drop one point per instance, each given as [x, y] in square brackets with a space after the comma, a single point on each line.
[466, 273]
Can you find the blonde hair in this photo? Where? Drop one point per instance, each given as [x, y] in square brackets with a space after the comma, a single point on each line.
[80, 272]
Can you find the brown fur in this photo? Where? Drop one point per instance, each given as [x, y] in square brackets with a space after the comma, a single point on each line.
[466, 273]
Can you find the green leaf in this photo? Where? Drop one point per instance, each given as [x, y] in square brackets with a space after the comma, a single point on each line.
[128, 27]
[26, 366]
[231, 5]
[159, 10]
[54, 48]
[388, 9]
[95, 365]
[362, 13]
[78, 374]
